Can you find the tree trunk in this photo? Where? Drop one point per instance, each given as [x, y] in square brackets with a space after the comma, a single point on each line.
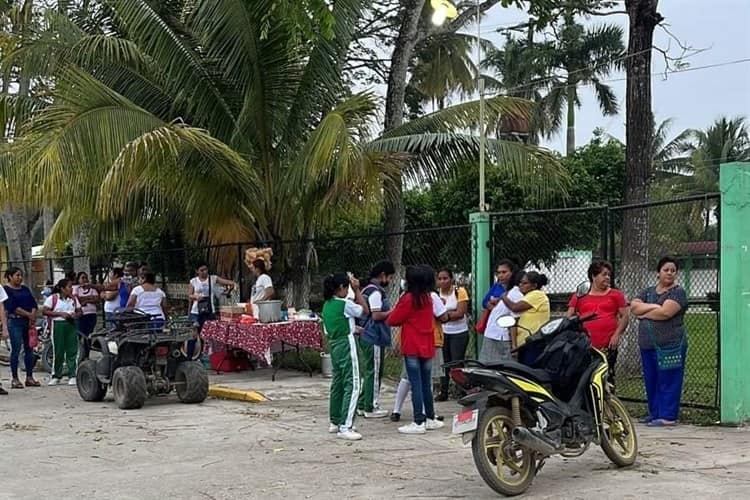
[299, 283]
[48, 220]
[571, 142]
[16, 224]
[394, 117]
[635, 272]
[80, 244]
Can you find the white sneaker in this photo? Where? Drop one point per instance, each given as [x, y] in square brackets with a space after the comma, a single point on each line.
[333, 428]
[72, 381]
[360, 413]
[377, 413]
[412, 428]
[349, 435]
[431, 425]
[53, 381]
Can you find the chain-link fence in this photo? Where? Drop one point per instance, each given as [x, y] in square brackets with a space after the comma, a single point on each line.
[560, 243]
[563, 243]
[688, 231]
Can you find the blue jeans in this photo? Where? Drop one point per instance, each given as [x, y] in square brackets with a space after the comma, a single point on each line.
[85, 325]
[18, 328]
[419, 372]
[663, 387]
[110, 324]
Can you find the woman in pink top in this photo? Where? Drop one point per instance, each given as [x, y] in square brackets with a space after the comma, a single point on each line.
[88, 297]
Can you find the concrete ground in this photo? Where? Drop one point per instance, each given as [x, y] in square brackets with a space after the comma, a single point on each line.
[52, 444]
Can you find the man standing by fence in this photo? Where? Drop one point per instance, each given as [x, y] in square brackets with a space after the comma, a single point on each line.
[374, 339]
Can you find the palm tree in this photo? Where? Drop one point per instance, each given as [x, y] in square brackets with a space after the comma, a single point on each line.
[701, 152]
[520, 74]
[233, 122]
[443, 66]
[551, 72]
[584, 56]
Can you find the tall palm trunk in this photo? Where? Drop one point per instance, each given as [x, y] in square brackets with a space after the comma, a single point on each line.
[571, 139]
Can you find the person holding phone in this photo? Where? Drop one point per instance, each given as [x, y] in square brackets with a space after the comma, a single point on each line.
[339, 316]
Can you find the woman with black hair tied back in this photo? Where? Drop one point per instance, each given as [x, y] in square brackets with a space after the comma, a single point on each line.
[338, 320]
[414, 314]
[534, 311]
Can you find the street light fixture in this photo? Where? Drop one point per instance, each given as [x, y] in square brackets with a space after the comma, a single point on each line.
[442, 10]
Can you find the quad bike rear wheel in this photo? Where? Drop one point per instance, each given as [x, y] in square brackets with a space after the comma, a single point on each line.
[505, 466]
[191, 382]
[87, 382]
[129, 387]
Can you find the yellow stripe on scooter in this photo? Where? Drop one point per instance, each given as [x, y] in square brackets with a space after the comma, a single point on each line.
[530, 386]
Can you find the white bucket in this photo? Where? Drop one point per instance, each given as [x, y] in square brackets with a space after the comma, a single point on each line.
[326, 365]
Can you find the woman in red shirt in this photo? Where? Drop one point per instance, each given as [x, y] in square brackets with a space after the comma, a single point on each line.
[413, 313]
[610, 307]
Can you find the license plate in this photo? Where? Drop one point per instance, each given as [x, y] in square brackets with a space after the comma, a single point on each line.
[465, 421]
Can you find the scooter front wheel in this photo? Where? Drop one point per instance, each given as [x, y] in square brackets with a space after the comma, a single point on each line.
[506, 467]
[619, 440]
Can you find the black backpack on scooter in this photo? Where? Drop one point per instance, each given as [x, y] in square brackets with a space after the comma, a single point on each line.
[565, 359]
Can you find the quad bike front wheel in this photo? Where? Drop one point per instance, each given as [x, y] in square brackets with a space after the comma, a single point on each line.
[88, 383]
[129, 387]
[619, 441]
[506, 467]
[191, 382]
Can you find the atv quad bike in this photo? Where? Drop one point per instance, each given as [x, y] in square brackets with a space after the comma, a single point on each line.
[140, 358]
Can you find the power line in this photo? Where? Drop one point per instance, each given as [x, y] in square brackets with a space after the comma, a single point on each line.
[613, 80]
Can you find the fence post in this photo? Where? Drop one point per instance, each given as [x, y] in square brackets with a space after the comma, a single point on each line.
[480, 262]
[735, 292]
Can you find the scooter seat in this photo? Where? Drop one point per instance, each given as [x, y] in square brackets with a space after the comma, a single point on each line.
[536, 374]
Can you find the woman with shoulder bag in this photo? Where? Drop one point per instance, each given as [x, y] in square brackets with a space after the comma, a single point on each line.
[663, 342]
[201, 292]
[21, 307]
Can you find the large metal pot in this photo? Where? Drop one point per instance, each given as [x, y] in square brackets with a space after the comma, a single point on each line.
[269, 311]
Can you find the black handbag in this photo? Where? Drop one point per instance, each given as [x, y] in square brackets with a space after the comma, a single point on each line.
[205, 304]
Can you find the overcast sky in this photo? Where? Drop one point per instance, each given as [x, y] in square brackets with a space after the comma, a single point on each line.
[694, 98]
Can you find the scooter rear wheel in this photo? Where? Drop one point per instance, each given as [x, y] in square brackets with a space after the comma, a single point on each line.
[505, 466]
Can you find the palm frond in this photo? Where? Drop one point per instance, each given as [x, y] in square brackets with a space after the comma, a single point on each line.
[537, 171]
[187, 72]
[181, 167]
[606, 98]
[321, 82]
[465, 116]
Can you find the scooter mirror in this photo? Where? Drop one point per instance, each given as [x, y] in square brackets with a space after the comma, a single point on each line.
[506, 321]
[583, 289]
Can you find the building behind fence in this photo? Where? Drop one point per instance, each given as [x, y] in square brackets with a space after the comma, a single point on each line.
[561, 243]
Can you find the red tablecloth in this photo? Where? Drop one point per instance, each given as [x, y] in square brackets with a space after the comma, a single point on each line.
[258, 338]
